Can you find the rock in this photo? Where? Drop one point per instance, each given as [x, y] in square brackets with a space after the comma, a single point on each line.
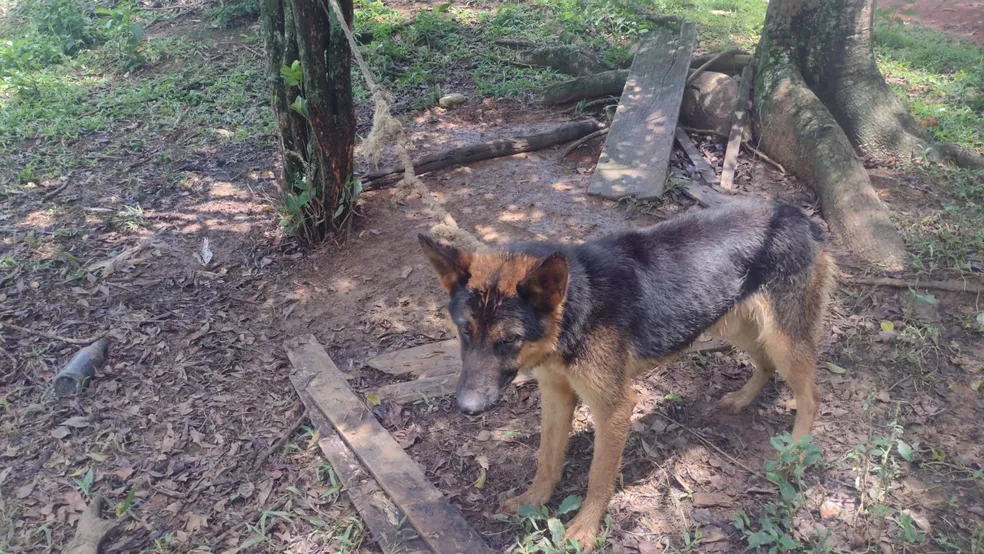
[452, 100]
[924, 308]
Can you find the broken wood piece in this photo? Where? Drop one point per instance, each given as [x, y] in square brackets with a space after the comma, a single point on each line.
[91, 530]
[696, 158]
[737, 130]
[439, 524]
[430, 388]
[279, 444]
[606, 83]
[469, 154]
[81, 368]
[53, 336]
[385, 520]
[427, 360]
[637, 151]
[709, 102]
[697, 190]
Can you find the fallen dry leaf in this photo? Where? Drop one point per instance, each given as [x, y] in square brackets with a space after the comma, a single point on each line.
[708, 499]
[26, 490]
[77, 422]
[61, 432]
[196, 522]
[75, 501]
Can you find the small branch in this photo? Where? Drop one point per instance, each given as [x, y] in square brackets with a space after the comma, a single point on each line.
[594, 103]
[697, 72]
[52, 336]
[951, 285]
[567, 151]
[10, 356]
[707, 443]
[56, 192]
[282, 441]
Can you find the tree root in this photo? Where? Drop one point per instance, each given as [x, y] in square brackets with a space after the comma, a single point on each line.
[797, 130]
[574, 146]
[950, 285]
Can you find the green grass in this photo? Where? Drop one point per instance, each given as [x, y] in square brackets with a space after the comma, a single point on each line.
[423, 56]
[938, 77]
[941, 78]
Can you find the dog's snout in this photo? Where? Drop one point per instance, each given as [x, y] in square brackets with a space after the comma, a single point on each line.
[472, 403]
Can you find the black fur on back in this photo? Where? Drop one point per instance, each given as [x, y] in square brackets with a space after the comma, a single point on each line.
[661, 286]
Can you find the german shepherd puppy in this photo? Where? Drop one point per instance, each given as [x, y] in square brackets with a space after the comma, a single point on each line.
[588, 318]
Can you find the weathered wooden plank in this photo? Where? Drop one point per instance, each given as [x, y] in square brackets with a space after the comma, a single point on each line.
[428, 360]
[428, 388]
[700, 189]
[385, 520]
[737, 130]
[696, 158]
[439, 524]
[637, 152]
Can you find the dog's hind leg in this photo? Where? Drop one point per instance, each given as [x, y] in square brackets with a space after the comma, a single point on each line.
[741, 329]
[796, 362]
[557, 404]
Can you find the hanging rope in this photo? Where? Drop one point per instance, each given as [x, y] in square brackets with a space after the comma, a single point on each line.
[387, 129]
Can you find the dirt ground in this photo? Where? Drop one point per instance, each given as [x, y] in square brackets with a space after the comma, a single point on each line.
[196, 389]
[959, 18]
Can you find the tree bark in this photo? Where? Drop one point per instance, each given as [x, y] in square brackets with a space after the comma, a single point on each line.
[801, 131]
[315, 117]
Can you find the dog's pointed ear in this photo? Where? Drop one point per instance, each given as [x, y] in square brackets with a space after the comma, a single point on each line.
[451, 263]
[545, 286]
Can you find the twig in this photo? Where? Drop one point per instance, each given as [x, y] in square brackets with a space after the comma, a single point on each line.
[57, 191]
[594, 103]
[9, 355]
[52, 336]
[567, 151]
[697, 72]
[951, 285]
[279, 445]
[708, 443]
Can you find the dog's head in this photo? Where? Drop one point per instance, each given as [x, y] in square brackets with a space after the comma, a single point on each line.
[505, 309]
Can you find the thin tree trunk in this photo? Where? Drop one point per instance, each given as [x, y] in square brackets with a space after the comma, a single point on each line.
[316, 117]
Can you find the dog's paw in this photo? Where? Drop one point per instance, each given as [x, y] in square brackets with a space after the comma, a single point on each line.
[531, 497]
[734, 402]
[584, 531]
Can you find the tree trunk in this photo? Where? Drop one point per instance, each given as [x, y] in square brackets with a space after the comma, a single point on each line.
[315, 113]
[800, 131]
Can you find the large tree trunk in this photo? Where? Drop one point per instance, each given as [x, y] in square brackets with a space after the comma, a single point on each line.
[315, 117]
[820, 99]
[798, 129]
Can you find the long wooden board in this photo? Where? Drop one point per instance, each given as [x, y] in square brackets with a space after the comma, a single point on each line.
[447, 369]
[385, 519]
[638, 148]
[428, 360]
[439, 524]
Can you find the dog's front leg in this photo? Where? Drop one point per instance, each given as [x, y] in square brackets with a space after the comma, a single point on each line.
[611, 417]
[557, 404]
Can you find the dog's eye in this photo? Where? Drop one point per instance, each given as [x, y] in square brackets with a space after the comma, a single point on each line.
[510, 339]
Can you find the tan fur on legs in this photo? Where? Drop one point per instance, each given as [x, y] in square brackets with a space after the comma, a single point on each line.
[557, 404]
[742, 328]
[797, 364]
[611, 432]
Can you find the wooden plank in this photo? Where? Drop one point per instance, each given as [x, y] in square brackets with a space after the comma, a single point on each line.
[384, 519]
[700, 189]
[637, 151]
[737, 130]
[427, 388]
[428, 360]
[439, 524]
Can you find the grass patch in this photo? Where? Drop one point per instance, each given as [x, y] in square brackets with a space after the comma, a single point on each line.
[939, 79]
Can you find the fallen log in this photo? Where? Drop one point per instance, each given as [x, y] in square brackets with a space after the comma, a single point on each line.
[91, 530]
[951, 285]
[708, 102]
[81, 368]
[730, 63]
[567, 132]
[563, 58]
[607, 83]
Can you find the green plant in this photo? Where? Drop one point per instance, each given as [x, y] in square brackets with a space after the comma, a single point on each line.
[120, 24]
[85, 484]
[544, 533]
[229, 14]
[890, 15]
[775, 524]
